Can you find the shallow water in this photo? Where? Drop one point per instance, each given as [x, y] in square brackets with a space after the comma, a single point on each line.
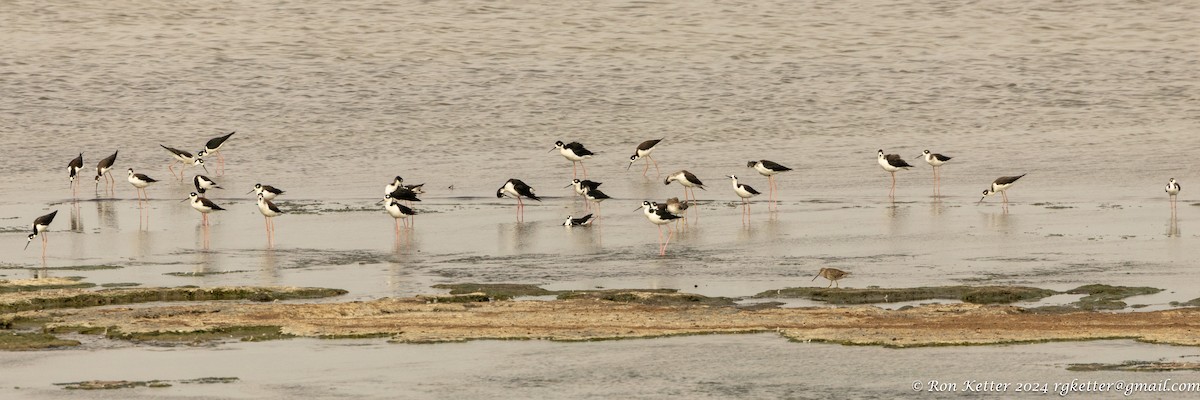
[1094, 99]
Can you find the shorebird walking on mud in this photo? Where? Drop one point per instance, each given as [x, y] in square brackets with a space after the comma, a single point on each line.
[832, 274]
[936, 160]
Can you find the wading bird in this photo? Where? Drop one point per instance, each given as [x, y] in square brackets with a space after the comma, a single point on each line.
[643, 150]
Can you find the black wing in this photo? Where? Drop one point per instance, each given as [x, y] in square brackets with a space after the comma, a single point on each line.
[693, 179]
[895, 161]
[749, 189]
[217, 141]
[45, 219]
[648, 144]
[178, 151]
[596, 194]
[771, 165]
[524, 190]
[77, 163]
[590, 185]
[208, 203]
[144, 178]
[578, 149]
[271, 206]
[666, 215]
[941, 158]
[272, 189]
[1004, 180]
[403, 193]
[108, 162]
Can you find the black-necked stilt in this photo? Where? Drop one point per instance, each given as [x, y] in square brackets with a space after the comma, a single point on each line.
[892, 163]
[203, 184]
[689, 182]
[936, 160]
[659, 216]
[575, 152]
[403, 193]
[643, 150]
[73, 169]
[582, 186]
[102, 168]
[586, 220]
[269, 192]
[832, 274]
[516, 189]
[214, 146]
[396, 210]
[204, 206]
[1173, 189]
[745, 192]
[183, 158]
[40, 224]
[768, 169]
[595, 196]
[269, 212]
[1001, 185]
[139, 182]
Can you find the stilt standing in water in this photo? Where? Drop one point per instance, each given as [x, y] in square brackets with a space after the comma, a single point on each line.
[184, 158]
[139, 182]
[1173, 189]
[745, 192]
[73, 169]
[40, 224]
[768, 169]
[659, 216]
[269, 212]
[516, 189]
[576, 153]
[689, 182]
[892, 163]
[936, 160]
[214, 146]
[1001, 185]
[102, 168]
[204, 206]
[643, 150]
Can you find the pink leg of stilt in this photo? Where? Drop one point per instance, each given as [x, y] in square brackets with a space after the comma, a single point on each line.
[656, 170]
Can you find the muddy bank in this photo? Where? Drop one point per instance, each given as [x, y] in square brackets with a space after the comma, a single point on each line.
[35, 300]
[424, 320]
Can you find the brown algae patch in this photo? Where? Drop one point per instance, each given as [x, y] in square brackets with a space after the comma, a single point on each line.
[18, 341]
[1137, 366]
[25, 301]
[507, 291]
[1100, 297]
[108, 385]
[968, 294]
[416, 320]
[30, 285]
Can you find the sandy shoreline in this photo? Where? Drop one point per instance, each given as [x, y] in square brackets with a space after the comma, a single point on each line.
[431, 319]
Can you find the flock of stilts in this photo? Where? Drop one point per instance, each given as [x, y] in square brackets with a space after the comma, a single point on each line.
[660, 214]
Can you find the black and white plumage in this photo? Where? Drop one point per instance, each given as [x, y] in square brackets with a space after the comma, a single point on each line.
[73, 169]
[585, 220]
[269, 212]
[1000, 185]
[745, 192]
[403, 193]
[1173, 189]
[576, 153]
[398, 183]
[517, 189]
[214, 146]
[203, 205]
[140, 182]
[688, 180]
[595, 196]
[582, 186]
[936, 161]
[40, 225]
[892, 163]
[102, 170]
[204, 184]
[399, 212]
[643, 150]
[768, 169]
[183, 158]
[269, 192]
[659, 216]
